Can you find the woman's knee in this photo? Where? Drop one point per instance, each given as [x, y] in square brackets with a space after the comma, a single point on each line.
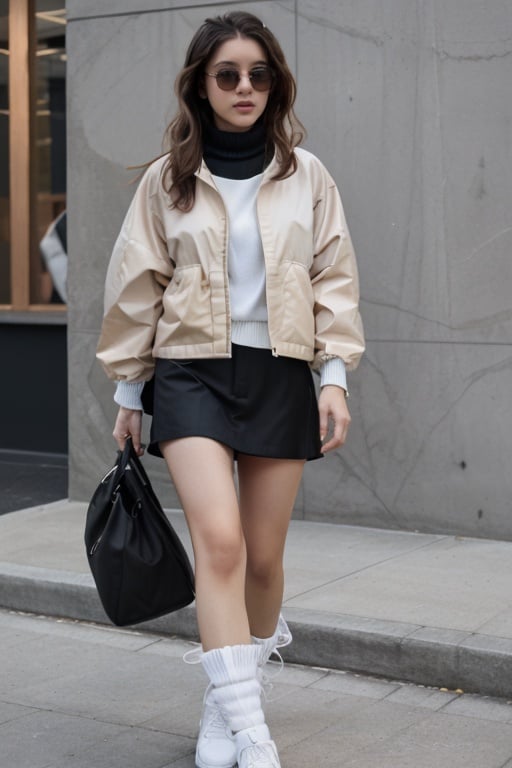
[264, 568]
[221, 553]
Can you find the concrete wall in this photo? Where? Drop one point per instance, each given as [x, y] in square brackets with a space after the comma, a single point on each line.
[408, 103]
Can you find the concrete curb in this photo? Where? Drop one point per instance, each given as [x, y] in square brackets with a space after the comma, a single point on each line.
[408, 652]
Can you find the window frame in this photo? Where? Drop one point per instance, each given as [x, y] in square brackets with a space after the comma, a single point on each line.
[22, 181]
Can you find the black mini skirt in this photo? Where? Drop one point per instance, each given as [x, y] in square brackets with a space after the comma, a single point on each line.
[253, 402]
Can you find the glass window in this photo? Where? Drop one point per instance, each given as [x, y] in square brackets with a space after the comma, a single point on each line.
[49, 262]
[5, 272]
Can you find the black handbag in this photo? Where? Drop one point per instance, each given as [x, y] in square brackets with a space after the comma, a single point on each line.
[138, 562]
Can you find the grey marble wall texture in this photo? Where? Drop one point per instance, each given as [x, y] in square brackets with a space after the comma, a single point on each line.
[408, 103]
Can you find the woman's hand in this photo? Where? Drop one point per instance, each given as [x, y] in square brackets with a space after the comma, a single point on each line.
[128, 424]
[332, 406]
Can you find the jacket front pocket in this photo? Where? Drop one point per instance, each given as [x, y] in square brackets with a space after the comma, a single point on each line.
[298, 318]
[186, 308]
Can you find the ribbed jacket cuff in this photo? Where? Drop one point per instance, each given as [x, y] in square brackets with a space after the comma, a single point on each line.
[333, 371]
[128, 394]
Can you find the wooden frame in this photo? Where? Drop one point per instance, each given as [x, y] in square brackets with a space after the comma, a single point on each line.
[22, 191]
[20, 124]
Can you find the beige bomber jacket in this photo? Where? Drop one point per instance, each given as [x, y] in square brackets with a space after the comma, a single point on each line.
[167, 292]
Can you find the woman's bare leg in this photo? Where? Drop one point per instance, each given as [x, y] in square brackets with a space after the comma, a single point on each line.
[268, 488]
[202, 471]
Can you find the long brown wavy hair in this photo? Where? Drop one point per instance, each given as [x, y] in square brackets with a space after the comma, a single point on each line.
[183, 136]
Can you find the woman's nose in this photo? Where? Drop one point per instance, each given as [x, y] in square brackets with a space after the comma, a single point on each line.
[244, 84]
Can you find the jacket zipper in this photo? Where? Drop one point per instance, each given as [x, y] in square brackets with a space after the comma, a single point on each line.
[274, 350]
[226, 276]
[210, 182]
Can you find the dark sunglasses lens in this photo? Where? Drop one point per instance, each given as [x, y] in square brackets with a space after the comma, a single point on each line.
[228, 79]
[261, 79]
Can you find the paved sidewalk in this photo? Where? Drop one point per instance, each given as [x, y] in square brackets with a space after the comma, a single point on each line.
[430, 609]
[74, 695]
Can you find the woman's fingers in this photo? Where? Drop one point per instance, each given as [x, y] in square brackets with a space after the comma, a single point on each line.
[333, 409]
[338, 438]
[128, 424]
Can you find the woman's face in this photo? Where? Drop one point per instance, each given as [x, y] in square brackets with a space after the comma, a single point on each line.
[238, 109]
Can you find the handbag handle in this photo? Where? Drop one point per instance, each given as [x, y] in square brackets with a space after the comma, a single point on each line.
[128, 456]
[123, 457]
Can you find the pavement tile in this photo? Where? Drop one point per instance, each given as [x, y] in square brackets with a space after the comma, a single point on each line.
[182, 710]
[132, 748]
[46, 739]
[173, 648]
[499, 626]
[182, 762]
[343, 550]
[440, 740]
[292, 674]
[76, 677]
[372, 722]
[421, 696]
[303, 714]
[355, 684]
[482, 708]
[70, 629]
[13, 637]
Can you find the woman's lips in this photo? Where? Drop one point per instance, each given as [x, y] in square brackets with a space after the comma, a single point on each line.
[244, 106]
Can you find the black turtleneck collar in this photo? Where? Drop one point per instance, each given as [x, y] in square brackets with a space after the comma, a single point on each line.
[234, 154]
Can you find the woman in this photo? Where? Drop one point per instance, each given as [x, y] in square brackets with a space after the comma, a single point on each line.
[234, 274]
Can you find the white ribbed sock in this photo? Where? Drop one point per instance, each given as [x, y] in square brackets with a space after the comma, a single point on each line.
[281, 637]
[233, 670]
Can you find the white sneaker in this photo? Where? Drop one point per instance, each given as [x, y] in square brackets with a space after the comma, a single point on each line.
[255, 751]
[216, 747]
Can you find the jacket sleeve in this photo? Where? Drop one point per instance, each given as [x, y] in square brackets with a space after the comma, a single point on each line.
[138, 273]
[334, 277]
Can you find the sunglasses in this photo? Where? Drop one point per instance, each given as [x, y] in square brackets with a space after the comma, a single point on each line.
[227, 79]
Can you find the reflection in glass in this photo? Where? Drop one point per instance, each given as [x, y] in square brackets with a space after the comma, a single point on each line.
[49, 264]
[5, 271]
